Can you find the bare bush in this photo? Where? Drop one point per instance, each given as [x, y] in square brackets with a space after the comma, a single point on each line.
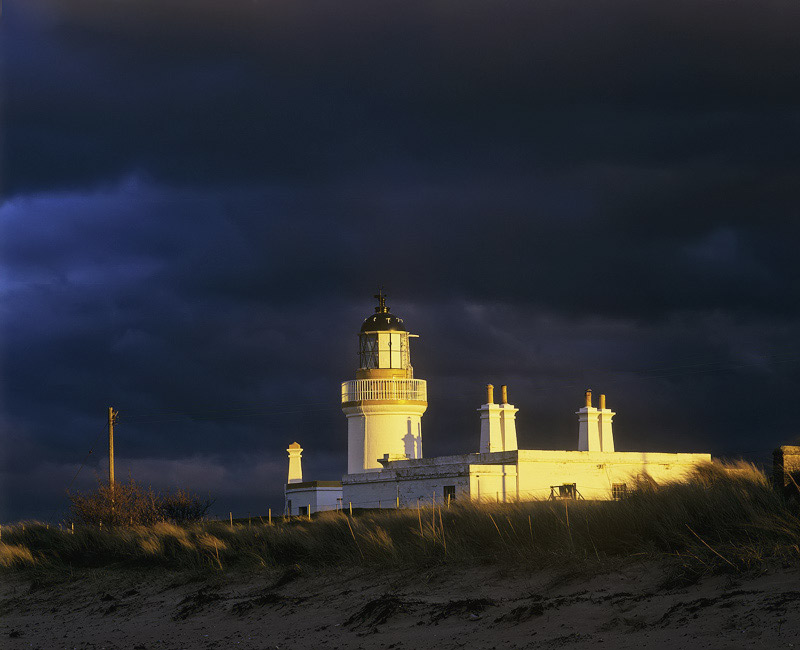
[130, 504]
[184, 507]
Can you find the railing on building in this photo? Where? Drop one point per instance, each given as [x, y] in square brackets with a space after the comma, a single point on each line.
[384, 389]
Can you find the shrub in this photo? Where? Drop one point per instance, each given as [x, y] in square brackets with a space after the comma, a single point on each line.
[184, 507]
[130, 504]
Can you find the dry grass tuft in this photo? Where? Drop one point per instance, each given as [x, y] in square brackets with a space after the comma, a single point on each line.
[13, 555]
[725, 517]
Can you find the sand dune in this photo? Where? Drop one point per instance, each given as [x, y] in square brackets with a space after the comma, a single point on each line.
[633, 606]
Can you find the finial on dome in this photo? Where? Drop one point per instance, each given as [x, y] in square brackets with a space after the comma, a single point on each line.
[381, 308]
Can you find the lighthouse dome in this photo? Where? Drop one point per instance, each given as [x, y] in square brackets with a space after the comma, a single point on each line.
[383, 322]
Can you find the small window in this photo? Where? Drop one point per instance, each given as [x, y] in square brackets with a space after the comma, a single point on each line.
[619, 491]
[449, 492]
[303, 511]
[567, 491]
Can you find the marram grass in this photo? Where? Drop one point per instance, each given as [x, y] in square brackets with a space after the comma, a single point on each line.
[725, 517]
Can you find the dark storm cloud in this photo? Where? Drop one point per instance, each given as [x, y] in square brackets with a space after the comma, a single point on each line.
[199, 199]
[221, 91]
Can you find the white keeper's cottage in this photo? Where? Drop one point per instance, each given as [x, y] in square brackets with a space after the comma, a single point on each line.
[384, 405]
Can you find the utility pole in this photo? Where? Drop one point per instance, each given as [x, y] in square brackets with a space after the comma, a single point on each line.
[112, 417]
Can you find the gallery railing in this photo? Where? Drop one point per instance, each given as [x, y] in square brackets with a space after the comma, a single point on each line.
[385, 389]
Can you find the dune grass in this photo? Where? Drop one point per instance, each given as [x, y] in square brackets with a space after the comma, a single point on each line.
[726, 517]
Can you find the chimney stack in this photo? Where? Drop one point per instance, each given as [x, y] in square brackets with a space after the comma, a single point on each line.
[588, 427]
[604, 425]
[498, 425]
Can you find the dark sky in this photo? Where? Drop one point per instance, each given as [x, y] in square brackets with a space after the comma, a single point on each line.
[200, 199]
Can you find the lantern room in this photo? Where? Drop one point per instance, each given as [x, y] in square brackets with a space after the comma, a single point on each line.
[383, 344]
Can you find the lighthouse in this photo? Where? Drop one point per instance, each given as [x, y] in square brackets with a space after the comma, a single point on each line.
[384, 403]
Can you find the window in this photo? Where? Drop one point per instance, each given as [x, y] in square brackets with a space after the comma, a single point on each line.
[368, 351]
[619, 491]
[303, 511]
[567, 491]
[289, 507]
[449, 493]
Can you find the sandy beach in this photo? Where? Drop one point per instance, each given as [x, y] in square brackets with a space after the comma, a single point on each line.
[633, 606]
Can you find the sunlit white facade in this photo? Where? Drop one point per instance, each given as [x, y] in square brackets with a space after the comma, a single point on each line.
[384, 405]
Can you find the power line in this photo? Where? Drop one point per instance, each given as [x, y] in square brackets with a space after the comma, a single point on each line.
[205, 417]
[174, 415]
[147, 414]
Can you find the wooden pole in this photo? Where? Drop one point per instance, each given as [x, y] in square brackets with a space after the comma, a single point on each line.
[230, 514]
[269, 516]
[309, 512]
[112, 414]
[351, 508]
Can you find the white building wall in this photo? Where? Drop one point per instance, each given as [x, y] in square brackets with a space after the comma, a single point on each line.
[594, 473]
[507, 476]
[384, 489]
[318, 498]
[497, 483]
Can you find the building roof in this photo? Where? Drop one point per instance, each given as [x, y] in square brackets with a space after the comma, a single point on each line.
[305, 485]
[383, 322]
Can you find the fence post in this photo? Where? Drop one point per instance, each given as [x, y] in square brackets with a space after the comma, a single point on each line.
[397, 505]
[379, 504]
[269, 516]
[309, 512]
[230, 514]
[351, 508]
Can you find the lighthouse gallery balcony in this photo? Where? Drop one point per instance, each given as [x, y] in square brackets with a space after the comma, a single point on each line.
[412, 390]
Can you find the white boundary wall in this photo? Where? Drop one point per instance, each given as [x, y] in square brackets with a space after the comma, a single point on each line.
[507, 476]
[319, 498]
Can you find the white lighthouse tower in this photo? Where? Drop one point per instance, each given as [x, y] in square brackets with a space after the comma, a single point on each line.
[384, 404]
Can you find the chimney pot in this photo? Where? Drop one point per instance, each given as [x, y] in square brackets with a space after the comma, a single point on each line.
[602, 402]
[489, 394]
[504, 394]
[588, 398]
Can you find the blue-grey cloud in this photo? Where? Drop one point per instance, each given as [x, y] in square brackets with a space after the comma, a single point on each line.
[199, 199]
